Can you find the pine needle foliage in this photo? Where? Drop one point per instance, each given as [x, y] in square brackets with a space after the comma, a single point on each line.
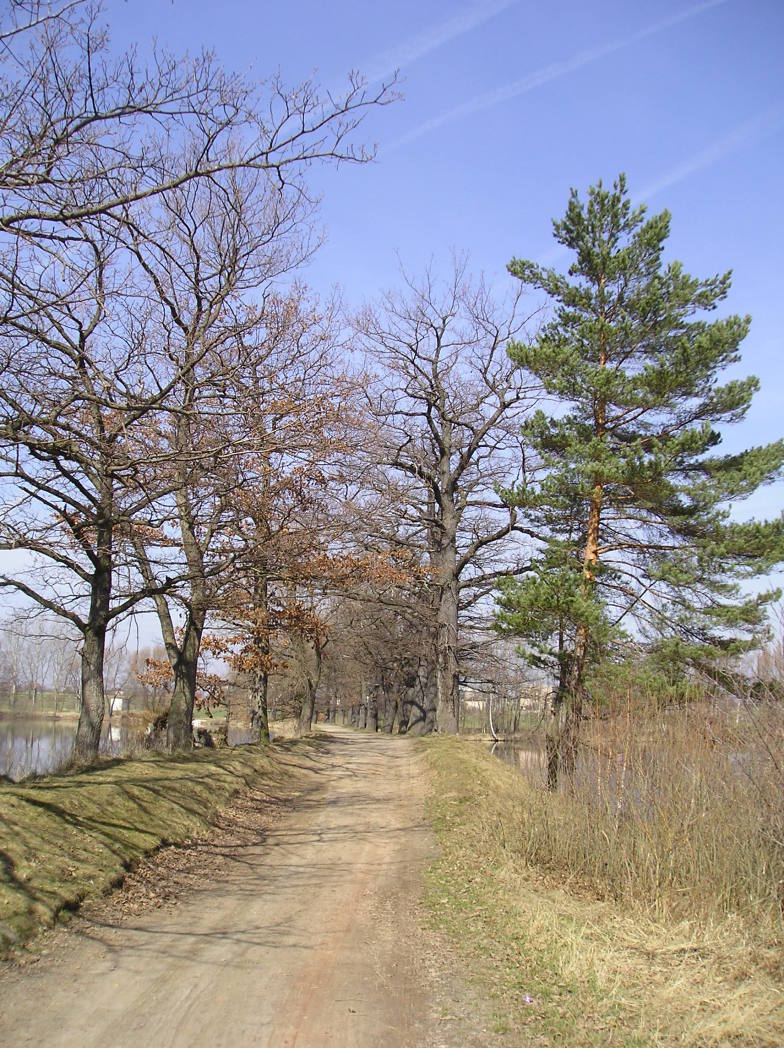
[633, 496]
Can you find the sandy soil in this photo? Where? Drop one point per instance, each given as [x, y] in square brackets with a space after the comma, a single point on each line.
[298, 923]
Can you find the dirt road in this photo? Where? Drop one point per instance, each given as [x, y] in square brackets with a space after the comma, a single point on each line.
[309, 937]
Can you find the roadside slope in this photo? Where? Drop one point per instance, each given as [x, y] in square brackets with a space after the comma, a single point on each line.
[68, 837]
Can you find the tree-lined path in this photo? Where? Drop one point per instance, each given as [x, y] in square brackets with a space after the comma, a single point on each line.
[309, 937]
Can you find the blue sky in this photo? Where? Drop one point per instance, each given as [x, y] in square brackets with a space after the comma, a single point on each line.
[508, 103]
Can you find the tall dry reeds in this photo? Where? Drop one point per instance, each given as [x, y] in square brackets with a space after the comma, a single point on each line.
[678, 810]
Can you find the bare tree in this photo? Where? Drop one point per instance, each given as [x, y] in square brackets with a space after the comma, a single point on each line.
[214, 243]
[293, 400]
[37, 652]
[86, 132]
[449, 404]
[94, 151]
[74, 383]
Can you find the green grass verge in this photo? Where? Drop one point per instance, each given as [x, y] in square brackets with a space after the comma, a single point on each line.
[66, 837]
[563, 967]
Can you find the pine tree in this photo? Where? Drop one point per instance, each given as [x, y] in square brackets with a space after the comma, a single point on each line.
[633, 498]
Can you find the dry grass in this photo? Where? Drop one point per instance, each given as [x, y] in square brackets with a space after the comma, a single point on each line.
[567, 963]
[682, 812]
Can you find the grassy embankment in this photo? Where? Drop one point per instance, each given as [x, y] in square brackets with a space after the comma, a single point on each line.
[66, 837]
[646, 909]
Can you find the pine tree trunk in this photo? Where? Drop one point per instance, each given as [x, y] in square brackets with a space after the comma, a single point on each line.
[553, 740]
[569, 735]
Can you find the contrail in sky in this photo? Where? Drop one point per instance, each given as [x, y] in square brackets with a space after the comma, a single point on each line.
[768, 123]
[550, 73]
[403, 54]
[765, 125]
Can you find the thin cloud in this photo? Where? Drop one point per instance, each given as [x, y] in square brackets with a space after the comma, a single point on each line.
[549, 73]
[411, 50]
[765, 125]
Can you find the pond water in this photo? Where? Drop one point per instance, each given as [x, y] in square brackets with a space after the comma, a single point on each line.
[527, 757]
[37, 746]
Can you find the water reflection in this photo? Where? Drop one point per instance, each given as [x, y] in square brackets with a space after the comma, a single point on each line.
[527, 757]
[609, 777]
[30, 746]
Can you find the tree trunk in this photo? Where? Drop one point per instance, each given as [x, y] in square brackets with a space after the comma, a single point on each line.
[389, 711]
[404, 714]
[183, 655]
[179, 726]
[308, 707]
[88, 730]
[410, 683]
[447, 678]
[417, 718]
[362, 715]
[554, 726]
[305, 719]
[372, 710]
[569, 736]
[516, 713]
[422, 720]
[568, 707]
[93, 699]
[259, 712]
[431, 696]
